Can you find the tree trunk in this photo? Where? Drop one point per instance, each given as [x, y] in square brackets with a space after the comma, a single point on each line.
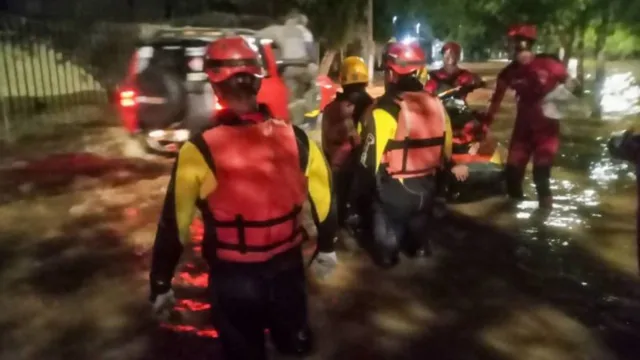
[602, 32]
[327, 60]
[168, 9]
[581, 31]
[131, 7]
[371, 45]
[566, 41]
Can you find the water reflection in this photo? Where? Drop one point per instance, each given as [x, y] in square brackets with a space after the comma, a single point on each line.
[620, 96]
[620, 93]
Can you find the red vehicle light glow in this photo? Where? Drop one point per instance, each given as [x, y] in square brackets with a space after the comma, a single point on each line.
[127, 98]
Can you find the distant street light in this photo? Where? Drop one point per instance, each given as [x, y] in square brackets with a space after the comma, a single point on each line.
[394, 19]
[418, 28]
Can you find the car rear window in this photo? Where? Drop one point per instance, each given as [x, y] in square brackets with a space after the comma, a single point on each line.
[183, 57]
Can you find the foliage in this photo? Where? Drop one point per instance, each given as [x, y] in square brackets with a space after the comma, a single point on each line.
[622, 42]
[335, 23]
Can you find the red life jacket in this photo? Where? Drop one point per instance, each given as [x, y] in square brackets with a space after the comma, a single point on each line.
[260, 190]
[417, 148]
[339, 132]
[484, 153]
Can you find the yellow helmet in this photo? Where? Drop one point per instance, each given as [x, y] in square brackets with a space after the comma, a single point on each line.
[353, 71]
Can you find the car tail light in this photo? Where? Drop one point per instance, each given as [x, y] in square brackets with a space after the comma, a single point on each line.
[218, 106]
[128, 98]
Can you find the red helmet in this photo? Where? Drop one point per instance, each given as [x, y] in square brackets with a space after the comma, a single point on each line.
[525, 31]
[453, 47]
[229, 56]
[405, 58]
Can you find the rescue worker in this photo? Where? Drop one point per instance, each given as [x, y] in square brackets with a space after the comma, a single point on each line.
[467, 130]
[296, 48]
[532, 77]
[297, 52]
[249, 177]
[406, 143]
[341, 127]
[626, 146]
[451, 75]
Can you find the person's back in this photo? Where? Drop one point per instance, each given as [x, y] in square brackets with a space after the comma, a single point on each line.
[249, 175]
[406, 144]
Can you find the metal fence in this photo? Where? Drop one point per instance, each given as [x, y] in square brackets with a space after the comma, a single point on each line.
[49, 67]
[54, 65]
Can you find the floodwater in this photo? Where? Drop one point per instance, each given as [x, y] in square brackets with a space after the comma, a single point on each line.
[505, 282]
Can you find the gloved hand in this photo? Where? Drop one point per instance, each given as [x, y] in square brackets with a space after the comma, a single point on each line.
[162, 305]
[324, 264]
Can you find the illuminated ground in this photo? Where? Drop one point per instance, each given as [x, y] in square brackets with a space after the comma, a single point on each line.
[509, 284]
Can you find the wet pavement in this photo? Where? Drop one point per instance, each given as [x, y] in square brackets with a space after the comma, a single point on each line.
[505, 281]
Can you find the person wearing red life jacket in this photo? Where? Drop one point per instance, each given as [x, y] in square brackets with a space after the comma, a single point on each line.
[406, 143]
[451, 75]
[532, 76]
[467, 131]
[341, 126]
[249, 176]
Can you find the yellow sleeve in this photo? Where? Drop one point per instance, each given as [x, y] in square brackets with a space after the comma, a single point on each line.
[318, 173]
[193, 181]
[384, 129]
[319, 181]
[448, 137]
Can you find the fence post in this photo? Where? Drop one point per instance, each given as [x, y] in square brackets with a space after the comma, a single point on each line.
[8, 137]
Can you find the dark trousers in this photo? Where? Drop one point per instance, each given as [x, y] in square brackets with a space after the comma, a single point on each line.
[402, 220]
[244, 304]
[342, 179]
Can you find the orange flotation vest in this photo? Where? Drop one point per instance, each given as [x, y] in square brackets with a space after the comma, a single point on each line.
[260, 191]
[417, 148]
[339, 132]
[465, 138]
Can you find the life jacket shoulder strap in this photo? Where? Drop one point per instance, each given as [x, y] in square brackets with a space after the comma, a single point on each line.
[201, 145]
[302, 140]
[417, 99]
[390, 104]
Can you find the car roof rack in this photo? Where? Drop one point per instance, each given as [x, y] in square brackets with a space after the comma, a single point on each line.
[201, 32]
